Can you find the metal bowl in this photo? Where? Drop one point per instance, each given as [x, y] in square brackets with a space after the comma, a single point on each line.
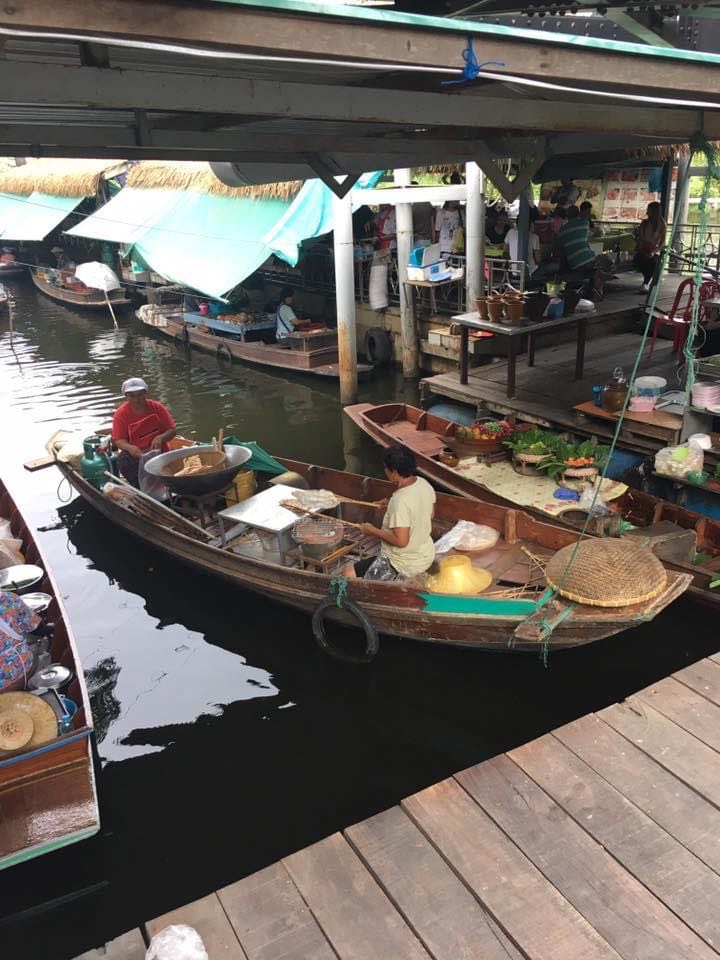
[20, 577]
[38, 602]
[235, 457]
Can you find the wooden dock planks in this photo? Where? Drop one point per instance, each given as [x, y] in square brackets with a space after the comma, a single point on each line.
[598, 841]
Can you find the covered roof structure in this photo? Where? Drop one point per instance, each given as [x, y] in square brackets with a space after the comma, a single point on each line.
[285, 90]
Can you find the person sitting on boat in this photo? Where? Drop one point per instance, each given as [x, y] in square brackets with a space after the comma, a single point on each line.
[139, 425]
[7, 256]
[64, 263]
[406, 533]
[287, 321]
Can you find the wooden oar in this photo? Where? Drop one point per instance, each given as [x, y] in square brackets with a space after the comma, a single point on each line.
[112, 312]
[177, 517]
[297, 508]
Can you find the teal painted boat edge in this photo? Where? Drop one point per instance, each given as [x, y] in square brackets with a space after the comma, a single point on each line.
[487, 606]
[30, 853]
[470, 28]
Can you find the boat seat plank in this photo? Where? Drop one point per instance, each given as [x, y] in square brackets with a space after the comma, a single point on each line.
[210, 920]
[688, 709]
[130, 946]
[626, 914]
[520, 899]
[686, 885]
[271, 919]
[437, 905]
[353, 912]
[675, 749]
[703, 677]
[674, 806]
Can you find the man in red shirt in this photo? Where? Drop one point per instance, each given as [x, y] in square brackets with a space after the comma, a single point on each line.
[139, 425]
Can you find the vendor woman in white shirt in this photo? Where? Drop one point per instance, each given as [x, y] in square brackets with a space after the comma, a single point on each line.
[406, 532]
[287, 321]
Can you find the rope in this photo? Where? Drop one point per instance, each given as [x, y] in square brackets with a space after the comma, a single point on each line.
[338, 589]
[472, 68]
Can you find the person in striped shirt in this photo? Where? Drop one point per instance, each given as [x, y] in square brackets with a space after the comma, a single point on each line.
[573, 240]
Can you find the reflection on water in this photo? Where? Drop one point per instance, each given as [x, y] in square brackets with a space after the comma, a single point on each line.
[227, 739]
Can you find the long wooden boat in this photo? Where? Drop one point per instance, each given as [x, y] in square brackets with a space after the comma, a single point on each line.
[92, 300]
[426, 435]
[513, 612]
[48, 798]
[9, 270]
[322, 362]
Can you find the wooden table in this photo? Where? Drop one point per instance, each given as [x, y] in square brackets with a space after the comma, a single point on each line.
[471, 321]
[657, 424]
[433, 285]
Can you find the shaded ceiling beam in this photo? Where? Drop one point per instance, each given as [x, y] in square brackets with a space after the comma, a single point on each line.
[273, 31]
[66, 86]
[642, 31]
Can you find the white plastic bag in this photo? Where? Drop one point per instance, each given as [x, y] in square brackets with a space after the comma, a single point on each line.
[178, 942]
[585, 306]
[679, 461]
[380, 569]
[378, 287]
[152, 486]
[466, 535]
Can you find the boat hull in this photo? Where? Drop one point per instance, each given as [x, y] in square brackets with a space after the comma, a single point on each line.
[394, 609]
[48, 796]
[93, 301]
[317, 363]
[639, 508]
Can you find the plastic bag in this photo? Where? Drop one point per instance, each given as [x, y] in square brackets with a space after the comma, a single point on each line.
[152, 486]
[679, 461]
[380, 569]
[10, 553]
[178, 942]
[466, 535]
[597, 509]
[585, 306]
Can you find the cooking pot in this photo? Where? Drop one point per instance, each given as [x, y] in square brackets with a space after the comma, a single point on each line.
[219, 480]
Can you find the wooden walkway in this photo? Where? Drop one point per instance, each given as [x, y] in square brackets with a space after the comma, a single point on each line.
[598, 841]
[546, 393]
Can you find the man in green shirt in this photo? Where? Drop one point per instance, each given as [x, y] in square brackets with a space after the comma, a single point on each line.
[573, 240]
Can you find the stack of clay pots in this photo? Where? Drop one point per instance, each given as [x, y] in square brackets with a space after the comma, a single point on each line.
[506, 308]
[514, 308]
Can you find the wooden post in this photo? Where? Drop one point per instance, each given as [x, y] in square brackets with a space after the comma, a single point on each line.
[523, 226]
[345, 298]
[408, 324]
[474, 234]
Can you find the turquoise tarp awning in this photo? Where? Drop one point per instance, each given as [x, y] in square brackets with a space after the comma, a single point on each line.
[208, 242]
[33, 217]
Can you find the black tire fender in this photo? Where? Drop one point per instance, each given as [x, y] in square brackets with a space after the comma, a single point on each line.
[219, 352]
[372, 643]
[378, 346]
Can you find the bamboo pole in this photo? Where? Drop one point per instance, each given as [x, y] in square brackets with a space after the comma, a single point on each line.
[112, 312]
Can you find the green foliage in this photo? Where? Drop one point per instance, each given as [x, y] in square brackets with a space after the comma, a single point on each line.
[563, 453]
[534, 441]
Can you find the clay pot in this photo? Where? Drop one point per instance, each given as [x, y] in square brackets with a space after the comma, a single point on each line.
[495, 309]
[515, 310]
[481, 304]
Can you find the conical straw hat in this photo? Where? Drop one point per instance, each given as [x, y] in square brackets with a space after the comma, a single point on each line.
[606, 573]
[45, 725]
[458, 575]
[16, 729]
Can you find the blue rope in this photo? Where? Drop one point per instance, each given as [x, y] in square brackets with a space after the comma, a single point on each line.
[472, 68]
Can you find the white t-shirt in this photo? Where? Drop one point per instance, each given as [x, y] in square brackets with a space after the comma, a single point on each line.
[285, 321]
[512, 240]
[446, 223]
[412, 507]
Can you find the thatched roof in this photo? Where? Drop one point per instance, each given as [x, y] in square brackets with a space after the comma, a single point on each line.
[62, 178]
[192, 175]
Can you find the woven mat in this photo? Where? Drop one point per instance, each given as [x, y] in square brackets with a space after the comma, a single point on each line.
[537, 492]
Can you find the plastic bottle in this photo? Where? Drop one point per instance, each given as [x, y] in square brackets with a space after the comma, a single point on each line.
[615, 391]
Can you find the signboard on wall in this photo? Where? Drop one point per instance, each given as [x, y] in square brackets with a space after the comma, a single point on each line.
[627, 194]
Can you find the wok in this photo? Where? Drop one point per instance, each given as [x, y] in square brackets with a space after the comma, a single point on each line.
[235, 457]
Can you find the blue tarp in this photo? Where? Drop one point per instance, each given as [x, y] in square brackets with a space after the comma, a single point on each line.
[208, 242]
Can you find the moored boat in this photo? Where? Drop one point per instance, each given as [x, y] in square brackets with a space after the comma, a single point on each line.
[514, 611]
[313, 354]
[89, 299]
[427, 435]
[47, 792]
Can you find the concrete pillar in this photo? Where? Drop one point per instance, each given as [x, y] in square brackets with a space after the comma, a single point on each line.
[474, 235]
[523, 225]
[408, 323]
[682, 203]
[345, 297]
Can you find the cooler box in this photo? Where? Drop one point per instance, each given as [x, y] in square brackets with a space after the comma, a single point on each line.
[424, 256]
[432, 271]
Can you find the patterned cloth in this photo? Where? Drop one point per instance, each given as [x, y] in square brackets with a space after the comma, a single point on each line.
[537, 492]
[16, 619]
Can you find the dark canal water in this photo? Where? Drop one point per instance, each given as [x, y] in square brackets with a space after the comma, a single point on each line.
[227, 739]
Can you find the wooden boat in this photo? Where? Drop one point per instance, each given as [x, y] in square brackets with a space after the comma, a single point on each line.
[92, 300]
[47, 794]
[8, 270]
[320, 361]
[511, 612]
[426, 435]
